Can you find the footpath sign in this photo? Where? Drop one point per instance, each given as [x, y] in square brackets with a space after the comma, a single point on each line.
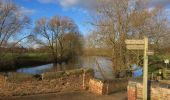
[141, 45]
[135, 42]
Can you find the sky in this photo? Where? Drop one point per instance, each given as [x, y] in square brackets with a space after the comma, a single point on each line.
[36, 9]
[78, 10]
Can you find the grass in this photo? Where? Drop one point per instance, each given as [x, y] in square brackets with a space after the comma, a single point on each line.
[59, 74]
[20, 77]
[34, 57]
[15, 61]
[76, 71]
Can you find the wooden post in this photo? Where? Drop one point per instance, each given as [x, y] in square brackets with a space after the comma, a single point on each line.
[84, 75]
[145, 70]
[42, 76]
[5, 81]
[141, 45]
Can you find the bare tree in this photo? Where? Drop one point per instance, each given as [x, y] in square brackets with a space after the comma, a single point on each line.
[59, 35]
[12, 22]
[117, 20]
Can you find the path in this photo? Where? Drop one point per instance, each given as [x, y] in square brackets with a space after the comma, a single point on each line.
[72, 96]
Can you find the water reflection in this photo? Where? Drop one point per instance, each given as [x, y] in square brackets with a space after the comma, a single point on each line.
[36, 69]
[64, 67]
[87, 62]
[104, 63]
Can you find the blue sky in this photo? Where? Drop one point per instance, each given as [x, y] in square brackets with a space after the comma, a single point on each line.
[36, 9]
[75, 9]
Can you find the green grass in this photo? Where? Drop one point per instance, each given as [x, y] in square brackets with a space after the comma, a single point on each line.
[32, 56]
[28, 60]
[20, 77]
[15, 61]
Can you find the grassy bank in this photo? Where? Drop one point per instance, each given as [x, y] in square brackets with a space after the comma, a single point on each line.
[32, 60]
[15, 61]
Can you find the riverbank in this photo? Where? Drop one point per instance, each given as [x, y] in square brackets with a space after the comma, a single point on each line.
[15, 61]
[51, 82]
[55, 82]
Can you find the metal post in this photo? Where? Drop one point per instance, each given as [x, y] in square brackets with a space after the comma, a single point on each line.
[145, 70]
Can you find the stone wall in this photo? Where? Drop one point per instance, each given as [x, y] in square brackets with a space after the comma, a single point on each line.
[117, 85]
[96, 86]
[70, 81]
[156, 91]
[106, 87]
[132, 93]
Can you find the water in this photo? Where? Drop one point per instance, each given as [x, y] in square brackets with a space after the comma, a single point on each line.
[95, 62]
[87, 62]
[36, 69]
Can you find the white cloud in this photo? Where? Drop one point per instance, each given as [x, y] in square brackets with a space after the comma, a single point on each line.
[48, 1]
[71, 3]
[84, 11]
[160, 2]
[27, 11]
[63, 3]
[87, 4]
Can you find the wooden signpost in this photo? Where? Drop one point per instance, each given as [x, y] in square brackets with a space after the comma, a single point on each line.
[132, 42]
[141, 45]
[135, 47]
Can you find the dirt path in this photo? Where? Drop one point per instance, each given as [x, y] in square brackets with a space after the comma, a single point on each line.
[72, 96]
